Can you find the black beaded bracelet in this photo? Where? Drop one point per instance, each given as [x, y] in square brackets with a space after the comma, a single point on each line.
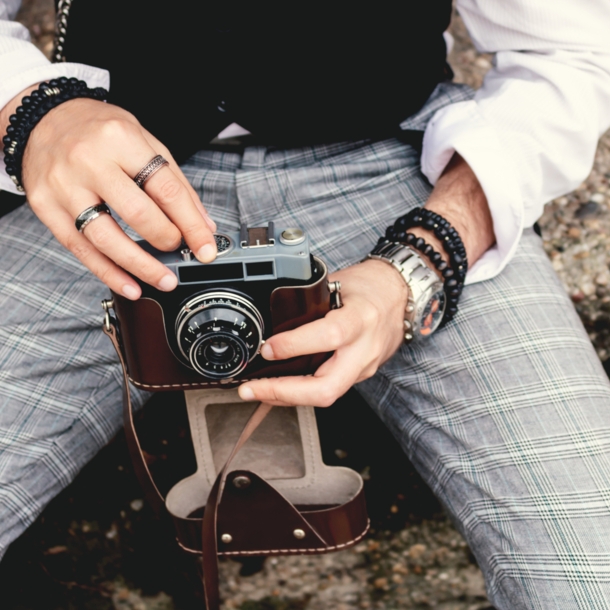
[33, 107]
[454, 272]
[442, 229]
[452, 283]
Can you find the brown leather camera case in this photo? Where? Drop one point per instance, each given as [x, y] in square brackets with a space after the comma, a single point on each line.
[152, 365]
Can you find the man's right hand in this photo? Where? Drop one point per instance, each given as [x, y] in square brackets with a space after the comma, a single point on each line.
[85, 151]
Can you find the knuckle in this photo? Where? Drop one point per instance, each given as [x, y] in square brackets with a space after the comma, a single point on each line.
[170, 240]
[326, 397]
[105, 274]
[81, 250]
[169, 190]
[75, 245]
[193, 232]
[283, 391]
[136, 261]
[368, 372]
[283, 347]
[35, 199]
[336, 334]
[78, 152]
[163, 150]
[160, 232]
[115, 129]
[100, 234]
[55, 181]
[266, 389]
[148, 269]
[369, 315]
[136, 211]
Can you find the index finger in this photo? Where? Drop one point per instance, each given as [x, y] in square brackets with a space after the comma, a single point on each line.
[168, 191]
[339, 327]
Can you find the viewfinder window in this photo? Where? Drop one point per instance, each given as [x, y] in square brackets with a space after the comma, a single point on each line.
[260, 268]
[211, 273]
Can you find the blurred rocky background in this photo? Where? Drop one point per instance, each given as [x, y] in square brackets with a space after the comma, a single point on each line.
[99, 547]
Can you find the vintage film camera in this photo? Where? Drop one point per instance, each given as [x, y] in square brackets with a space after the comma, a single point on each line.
[210, 329]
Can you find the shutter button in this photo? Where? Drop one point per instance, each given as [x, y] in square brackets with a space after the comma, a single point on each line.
[292, 237]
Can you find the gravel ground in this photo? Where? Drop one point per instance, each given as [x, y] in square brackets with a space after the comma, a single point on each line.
[97, 546]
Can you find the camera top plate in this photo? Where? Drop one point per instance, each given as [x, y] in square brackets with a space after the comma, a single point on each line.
[252, 254]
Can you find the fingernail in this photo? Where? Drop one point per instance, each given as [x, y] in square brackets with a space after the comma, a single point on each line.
[131, 292]
[168, 283]
[207, 253]
[245, 393]
[267, 352]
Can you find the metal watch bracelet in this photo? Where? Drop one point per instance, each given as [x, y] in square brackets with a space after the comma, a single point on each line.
[426, 300]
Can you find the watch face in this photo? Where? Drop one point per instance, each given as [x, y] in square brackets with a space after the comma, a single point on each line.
[432, 313]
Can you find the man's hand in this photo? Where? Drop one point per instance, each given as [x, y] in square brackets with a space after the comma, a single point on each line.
[84, 152]
[364, 333]
[370, 327]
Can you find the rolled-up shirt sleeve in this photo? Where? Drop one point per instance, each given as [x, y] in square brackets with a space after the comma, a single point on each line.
[23, 65]
[531, 131]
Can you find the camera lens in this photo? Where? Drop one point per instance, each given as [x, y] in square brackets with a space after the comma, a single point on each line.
[219, 354]
[219, 333]
[218, 351]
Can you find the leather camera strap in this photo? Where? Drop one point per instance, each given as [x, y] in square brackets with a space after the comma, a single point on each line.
[151, 491]
[209, 543]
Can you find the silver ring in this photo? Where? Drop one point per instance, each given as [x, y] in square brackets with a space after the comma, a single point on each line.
[154, 165]
[90, 214]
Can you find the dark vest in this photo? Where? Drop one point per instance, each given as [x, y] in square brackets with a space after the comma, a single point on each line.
[291, 73]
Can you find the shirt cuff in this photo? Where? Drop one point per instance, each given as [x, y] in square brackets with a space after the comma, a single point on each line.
[34, 68]
[461, 128]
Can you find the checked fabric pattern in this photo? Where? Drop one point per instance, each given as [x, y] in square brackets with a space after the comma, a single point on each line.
[505, 412]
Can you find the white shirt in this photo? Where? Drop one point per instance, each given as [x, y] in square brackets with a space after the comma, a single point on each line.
[529, 135]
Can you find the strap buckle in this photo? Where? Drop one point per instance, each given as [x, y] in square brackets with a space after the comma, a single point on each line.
[107, 305]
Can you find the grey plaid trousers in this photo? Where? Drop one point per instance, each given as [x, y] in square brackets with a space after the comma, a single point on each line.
[506, 412]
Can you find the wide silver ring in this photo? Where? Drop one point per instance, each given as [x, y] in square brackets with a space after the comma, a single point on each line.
[154, 165]
[90, 214]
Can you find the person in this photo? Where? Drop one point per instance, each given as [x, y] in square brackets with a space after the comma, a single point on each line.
[504, 410]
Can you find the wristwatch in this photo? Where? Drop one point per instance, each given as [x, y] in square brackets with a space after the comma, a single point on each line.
[426, 301]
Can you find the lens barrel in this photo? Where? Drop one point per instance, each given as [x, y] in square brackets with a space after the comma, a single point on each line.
[219, 333]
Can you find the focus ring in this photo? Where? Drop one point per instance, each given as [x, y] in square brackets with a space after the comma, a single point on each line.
[217, 326]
